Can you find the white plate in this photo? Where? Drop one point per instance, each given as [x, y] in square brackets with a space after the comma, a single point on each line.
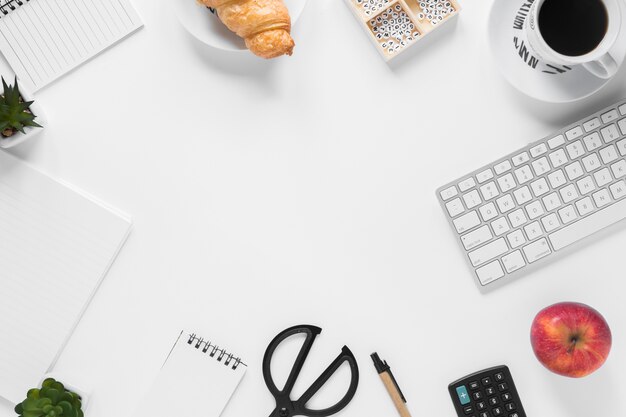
[207, 28]
[540, 80]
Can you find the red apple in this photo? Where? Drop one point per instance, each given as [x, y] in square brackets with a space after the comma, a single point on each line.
[571, 339]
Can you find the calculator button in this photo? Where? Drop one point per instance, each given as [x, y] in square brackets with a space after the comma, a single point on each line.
[474, 385]
[503, 386]
[506, 397]
[468, 410]
[464, 397]
[490, 391]
[477, 395]
[486, 381]
[480, 406]
[510, 407]
[483, 414]
[514, 415]
[493, 401]
[499, 377]
[497, 412]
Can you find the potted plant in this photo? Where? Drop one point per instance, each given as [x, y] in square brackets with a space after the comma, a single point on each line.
[20, 116]
[53, 399]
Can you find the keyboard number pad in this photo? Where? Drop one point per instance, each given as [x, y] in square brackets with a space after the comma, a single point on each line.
[489, 393]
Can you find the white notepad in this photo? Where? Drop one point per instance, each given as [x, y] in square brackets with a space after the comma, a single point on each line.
[56, 245]
[197, 380]
[45, 39]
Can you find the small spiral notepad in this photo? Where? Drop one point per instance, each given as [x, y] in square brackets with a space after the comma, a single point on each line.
[198, 379]
[45, 39]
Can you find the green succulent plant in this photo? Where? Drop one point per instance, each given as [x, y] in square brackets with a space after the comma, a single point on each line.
[51, 400]
[15, 113]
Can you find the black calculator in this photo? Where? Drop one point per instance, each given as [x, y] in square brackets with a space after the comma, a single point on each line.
[488, 393]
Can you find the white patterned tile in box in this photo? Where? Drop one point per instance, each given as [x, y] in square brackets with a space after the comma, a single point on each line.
[394, 29]
[435, 11]
[371, 7]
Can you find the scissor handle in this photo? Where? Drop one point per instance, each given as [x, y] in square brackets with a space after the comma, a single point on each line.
[285, 407]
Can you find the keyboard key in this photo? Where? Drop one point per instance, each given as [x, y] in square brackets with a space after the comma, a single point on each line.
[523, 174]
[502, 167]
[488, 212]
[466, 222]
[619, 169]
[584, 206]
[522, 195]
[592, 124]
[603, 177]
[518, 218]
[621, 146]
[534, 210]
[610, 116]
[610, 133]
[520, 159]
[467, 184]
[586, 185]
[588, 225]
[608, 154]
[506, 182]
[538, 150]
[574, 133]
[516, 239]
[533, 231]
[472, 199]
[556, 141]
[484, 176]
[557, 178]
[622, 126]
[540, 187]
[575, 149]
[489, 273]
[601, 198]
[541, 166]
[488, 252]
[464, 397]
[448, 193]
[550, 222]
[574, 171]
[591, 162]
[500, 226]
[477, 237]
[567, 214]
[455, 207]
[505, 203]
[618, 190]
[592, 142]
[489, 191]
[558, 158]
[568, 193]
[551, 201]
[622, 109]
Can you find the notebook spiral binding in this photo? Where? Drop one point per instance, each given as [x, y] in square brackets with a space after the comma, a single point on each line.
[205, 346]
[7, 6]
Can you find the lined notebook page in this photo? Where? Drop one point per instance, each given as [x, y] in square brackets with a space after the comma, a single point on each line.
[56, 245]
[44, 39]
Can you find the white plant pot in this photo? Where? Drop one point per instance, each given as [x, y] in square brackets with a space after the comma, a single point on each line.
[20, 137]
[69, 383]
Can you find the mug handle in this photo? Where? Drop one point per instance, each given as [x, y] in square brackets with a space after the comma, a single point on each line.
[605, 67]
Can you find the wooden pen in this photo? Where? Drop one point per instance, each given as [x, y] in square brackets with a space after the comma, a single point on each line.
[384, 371]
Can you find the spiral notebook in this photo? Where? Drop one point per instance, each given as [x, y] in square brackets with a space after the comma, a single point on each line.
[198, 379]
[45, 39]
[56, 246]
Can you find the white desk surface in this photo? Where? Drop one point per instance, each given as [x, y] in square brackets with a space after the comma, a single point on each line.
[269, 194]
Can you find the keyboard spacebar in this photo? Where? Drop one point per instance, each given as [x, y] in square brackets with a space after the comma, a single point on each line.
[589, 225]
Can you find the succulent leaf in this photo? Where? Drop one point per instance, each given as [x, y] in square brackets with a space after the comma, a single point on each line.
[52, 400]
[15, 115]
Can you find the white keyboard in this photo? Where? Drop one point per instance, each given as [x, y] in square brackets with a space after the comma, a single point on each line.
[528, 206]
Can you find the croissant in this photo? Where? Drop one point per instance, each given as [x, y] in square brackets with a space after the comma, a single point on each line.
[265, 25]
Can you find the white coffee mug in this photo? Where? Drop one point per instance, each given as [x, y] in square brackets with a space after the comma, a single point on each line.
[599, 62]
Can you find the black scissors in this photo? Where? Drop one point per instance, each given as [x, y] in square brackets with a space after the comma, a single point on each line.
[285, 407]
